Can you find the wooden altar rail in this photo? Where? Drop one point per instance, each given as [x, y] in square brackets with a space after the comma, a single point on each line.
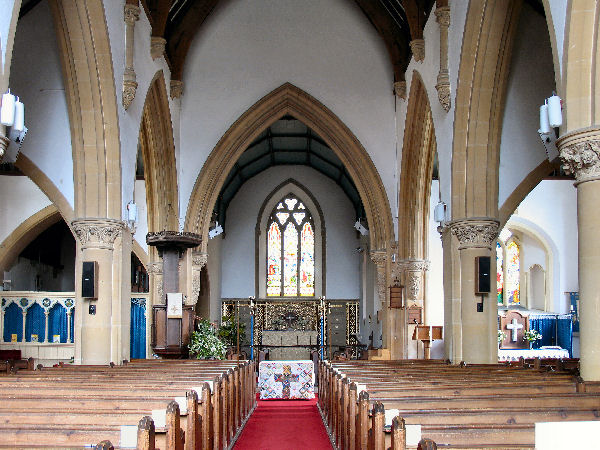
[490, 406]
[82, 405]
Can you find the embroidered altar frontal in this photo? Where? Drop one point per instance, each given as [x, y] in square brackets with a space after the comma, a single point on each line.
[286, 380]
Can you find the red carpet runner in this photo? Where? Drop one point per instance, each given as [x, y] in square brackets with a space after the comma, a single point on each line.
[284, 424]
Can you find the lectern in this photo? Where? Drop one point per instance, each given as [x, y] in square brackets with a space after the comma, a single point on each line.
[427, 334]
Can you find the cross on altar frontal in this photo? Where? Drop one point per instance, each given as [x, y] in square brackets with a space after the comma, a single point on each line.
[286, 380]
[514, 326]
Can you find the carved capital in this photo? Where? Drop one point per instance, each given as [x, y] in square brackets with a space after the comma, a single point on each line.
[98, 233]
[131, 14]
[413, 270]
[176, 89]
[443, 89]
[379, 257]
[129, 91]
[157, 46]
[417, 47]
[199, 260]
[442, 16]
[414, 265]
[155, 268]
[476, 232]
[400, 89]
[580, 154]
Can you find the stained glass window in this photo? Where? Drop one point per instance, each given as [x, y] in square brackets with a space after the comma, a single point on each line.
[290, 250]
[512, 287]
[499, 272]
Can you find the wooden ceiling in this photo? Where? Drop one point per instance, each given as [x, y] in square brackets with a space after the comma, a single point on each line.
[397, 21]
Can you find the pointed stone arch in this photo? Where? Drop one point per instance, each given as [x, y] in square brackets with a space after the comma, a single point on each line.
[288, 99]
[418, 152]
[158, 151]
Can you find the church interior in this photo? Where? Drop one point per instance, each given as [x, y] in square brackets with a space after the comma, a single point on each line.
[397, 194]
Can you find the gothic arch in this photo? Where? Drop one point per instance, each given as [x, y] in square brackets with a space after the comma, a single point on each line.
[25, 233]
[299, 190]
[418, 152]
[158, 151]
[480, 98]
[84, 47]
[288, 99]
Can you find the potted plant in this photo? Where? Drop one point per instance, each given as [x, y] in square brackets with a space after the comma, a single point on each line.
[501, 337]
[531, 336]
[228, 331]
[204, 342]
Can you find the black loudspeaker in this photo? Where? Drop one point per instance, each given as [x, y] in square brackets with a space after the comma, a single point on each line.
[89, 279]
[482, 275]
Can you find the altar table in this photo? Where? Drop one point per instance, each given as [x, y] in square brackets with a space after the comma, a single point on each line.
[286, 380]
[542, 353]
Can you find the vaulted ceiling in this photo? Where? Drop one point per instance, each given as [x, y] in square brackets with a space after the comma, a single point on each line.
[397, 21]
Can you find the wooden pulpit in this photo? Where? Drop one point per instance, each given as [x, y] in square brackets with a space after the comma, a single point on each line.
[427, 334]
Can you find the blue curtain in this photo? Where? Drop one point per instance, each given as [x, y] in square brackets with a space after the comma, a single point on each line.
[574, 300]
[546, 326]
[564, 333]
[35, 323]
[72, 324]
[13, 322]
[57, 323]
[137, 339]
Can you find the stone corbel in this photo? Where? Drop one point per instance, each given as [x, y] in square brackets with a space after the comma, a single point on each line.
[379, 257]
[176, 89]
[131, 15]
[475, 232]
[157, 46]
[580, 154]
[442, 15]
[98, 233]
[417, 47]
[400, 89]
[156, 269]
[199, 260]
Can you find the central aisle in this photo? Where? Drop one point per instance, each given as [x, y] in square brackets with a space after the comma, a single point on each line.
[284, 424]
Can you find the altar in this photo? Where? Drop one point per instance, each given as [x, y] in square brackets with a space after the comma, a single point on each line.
[286, 380]
[550, 352]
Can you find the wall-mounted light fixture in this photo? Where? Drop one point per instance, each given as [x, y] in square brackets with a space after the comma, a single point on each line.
[361, 228]
[217, 230]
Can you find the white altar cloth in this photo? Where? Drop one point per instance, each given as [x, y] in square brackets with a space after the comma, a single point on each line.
[286, 380]
[542, 353]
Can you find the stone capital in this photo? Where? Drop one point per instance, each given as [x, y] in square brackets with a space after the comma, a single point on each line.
[400, 89]
[98, 232]
[475, 232]
[580, 154]
[417, 47]
[157, 46]
[442, 16]
[131, 14]
[379, 257]
[155, 267]
[414, 265]
[443, 89]
[199, 259]
[129, 91]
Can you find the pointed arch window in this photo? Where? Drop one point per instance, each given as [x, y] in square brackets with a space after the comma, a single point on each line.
[513, 291]
[290, 250]
[499, 273]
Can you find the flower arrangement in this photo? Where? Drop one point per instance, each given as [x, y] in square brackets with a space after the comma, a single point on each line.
[532, 335]
[228, 331]
[501, 335]
[204, 343]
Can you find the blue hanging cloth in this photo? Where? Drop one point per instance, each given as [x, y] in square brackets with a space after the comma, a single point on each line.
[35, 324]
[13, 323]
[58, 323]
[564, 333]
[137, 337]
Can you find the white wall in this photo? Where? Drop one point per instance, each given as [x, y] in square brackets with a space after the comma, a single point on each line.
[247, 48]
[17, 208]
[434, 304]
[550, 211]
[238, 246]
[531, 80]
[37, 78]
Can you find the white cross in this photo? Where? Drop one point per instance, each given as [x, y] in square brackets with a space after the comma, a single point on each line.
[514, 327]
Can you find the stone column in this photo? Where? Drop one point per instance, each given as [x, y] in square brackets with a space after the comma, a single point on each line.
[442, 15]
[131, 15]
[99, 336]
[198, 262]
[452, 303]
[580, 155]
[477, 237]
[379, 257]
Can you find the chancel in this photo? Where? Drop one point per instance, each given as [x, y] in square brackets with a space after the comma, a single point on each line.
[204, 194]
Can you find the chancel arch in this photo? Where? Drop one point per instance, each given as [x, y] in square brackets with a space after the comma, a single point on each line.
[290, 189]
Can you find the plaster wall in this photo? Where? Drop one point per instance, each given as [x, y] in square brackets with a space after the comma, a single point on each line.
[238, 245]
[247, 48]
[146, 69]
[434, 297]
[530, 81]
[141, 229]
[17, 208]
[551, 211]
[36, 78]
